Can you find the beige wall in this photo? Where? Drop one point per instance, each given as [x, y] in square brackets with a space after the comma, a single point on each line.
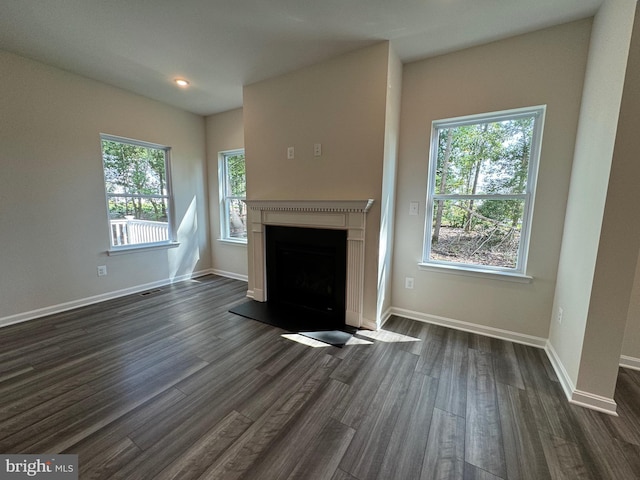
[587, 196]
[225, 131]
[619, 242]
[631, 342]
[544, 67]
[387, 202]
[340, 103]
[53, 219]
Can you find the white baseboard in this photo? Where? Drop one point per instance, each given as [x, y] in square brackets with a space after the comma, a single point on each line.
[83, 302]
[471, 327]
[368, 325]
[235, 276]
[565, 380]
[385, 316]
[594, 402]
[575, 396]
[630, 362]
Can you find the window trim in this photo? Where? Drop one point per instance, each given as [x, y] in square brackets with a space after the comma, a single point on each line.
[519, 272]
[171, 229]
[223, 197]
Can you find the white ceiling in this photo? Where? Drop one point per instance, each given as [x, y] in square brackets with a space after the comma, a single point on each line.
[220, 45]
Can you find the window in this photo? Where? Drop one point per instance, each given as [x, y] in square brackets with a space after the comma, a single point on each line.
[481, 189]
[233, 190]
[138, 188]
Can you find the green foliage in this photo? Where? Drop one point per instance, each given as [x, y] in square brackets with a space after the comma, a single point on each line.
[485, 158]
[481, 159]
[236, 175]
[131, 171]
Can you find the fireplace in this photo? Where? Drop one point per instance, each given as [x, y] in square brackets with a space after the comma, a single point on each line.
[307, 270]
[345, 216]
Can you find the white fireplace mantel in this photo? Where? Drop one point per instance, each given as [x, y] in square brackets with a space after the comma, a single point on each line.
[347, 215]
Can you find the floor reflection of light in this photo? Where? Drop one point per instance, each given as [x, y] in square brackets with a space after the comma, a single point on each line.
[310, 342]
[387, 336]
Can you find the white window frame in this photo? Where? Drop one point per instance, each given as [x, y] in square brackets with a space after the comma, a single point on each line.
[225, 198]
[133, 247]
[519, 272]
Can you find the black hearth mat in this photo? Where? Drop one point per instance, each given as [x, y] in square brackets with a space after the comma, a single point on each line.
[296, 321]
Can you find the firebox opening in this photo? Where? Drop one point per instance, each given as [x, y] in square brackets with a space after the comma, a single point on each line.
[306, 271]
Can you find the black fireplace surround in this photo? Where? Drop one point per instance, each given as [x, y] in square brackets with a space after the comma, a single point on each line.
[306, 272]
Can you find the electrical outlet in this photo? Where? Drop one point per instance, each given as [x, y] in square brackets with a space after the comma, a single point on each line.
[414, 208]
[102, 270]
[559, 315]
[291, 154]
[408, 282]
[317, 149]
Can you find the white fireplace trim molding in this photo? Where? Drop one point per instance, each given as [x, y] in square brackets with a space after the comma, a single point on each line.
[349, 215]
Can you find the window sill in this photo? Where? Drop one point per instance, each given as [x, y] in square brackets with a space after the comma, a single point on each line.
[492, 274]
[228, 241]
[141, 248]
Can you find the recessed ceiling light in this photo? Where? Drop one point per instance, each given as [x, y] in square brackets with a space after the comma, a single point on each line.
[181, 82]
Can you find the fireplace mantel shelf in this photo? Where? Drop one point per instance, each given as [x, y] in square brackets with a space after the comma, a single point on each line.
[360, 206]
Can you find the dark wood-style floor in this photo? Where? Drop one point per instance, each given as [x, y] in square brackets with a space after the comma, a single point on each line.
[171, 385]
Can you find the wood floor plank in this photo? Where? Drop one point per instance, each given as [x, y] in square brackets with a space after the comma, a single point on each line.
[66, 427]
[565, 459]
[240, 458]
[271, 392]
[79, 370]
[304, 439]
[626, 426]
[471, 472]
[107, 437]
[354, 407]
[342, 475]
[444, 456]
[548, 402]
[452, 389]
[11, 371]
[481, 343]
[596, 441]
[365, 454]
[173, 385]
[432, 358]
[43, 410]
[483, 434]
[334, 439]
[353, 361]
[524, 454]
[198, 412]
[194, 461]
[404, 457]
[631, 453]
[109, 460]
[505, 364]
[13, 406]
